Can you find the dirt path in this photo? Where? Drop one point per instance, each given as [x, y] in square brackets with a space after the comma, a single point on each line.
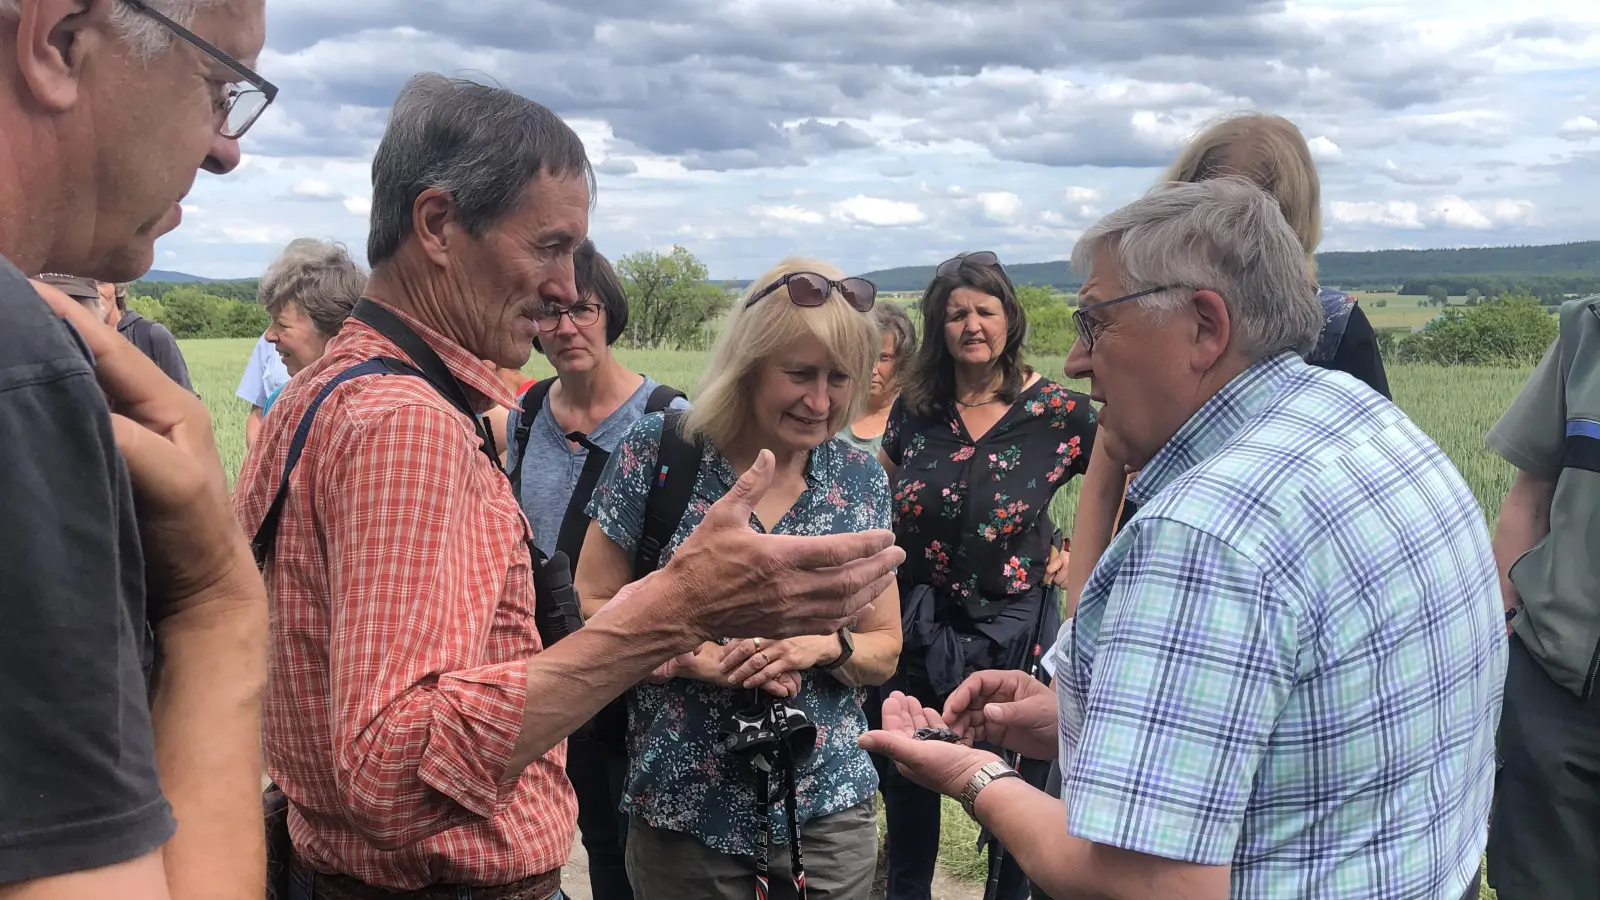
[575, 881]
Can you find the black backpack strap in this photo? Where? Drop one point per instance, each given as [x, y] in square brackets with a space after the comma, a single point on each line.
[266, 536]
[677, 465]
[575, 522]
[517, 446]
[661, 398]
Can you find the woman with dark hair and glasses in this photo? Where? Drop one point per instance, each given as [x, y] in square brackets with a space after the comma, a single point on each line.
[976, 447]
[790, 368]
[584, 410]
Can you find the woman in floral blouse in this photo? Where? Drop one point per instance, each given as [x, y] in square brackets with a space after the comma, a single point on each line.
[790, 369]
[976, 447]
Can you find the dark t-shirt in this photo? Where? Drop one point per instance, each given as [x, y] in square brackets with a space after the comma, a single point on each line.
[155, 341]
[78, 786]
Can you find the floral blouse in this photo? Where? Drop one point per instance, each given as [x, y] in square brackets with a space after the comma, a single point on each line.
[967, 512]
[677, 779]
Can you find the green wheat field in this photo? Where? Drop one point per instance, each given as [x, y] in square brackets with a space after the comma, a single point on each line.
[1455, 406]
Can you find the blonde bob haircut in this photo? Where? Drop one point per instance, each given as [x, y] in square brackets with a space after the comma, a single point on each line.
[1268, 151]
[722, 406]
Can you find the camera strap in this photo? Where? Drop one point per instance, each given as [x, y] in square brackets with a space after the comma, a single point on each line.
[764, 762]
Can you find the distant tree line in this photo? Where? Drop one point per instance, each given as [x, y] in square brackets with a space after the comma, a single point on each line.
[1550, 289]
[217, 309]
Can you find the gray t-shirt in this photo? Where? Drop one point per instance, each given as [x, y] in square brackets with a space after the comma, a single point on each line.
[551, 467]
[78, 786]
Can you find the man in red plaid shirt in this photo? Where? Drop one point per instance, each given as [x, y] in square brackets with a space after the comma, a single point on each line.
[414, 719]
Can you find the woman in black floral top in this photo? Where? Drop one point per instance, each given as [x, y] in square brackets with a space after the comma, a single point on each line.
[975, 448]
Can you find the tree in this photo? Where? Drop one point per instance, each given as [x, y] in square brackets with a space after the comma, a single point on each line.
[669, 299]
[1380, 302]
[1437, 295]
[1512, 329]
[1474, 296]
[1050, 328]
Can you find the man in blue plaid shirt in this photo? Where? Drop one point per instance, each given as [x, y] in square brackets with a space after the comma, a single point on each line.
[1284, 676]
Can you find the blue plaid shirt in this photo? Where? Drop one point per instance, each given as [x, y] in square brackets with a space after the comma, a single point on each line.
[1290, 661]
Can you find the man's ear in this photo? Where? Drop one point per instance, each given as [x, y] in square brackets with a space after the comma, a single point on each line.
[55, 40]
[433, 216]
[1213, 329]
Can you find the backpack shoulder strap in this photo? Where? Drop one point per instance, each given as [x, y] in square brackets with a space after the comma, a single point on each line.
[517, 447]
[677, 466]
[661, 398]
[267, 534]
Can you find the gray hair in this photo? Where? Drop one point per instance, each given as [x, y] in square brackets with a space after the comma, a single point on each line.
[145, 36]
[319, 277]
[891, 319]
[1225, 235]
[483, 144]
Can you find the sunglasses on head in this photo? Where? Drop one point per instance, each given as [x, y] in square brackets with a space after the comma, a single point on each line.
[953, 265]
[811, 290]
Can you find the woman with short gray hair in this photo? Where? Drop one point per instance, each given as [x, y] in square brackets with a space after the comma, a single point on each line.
[899, 342]
[309, 290]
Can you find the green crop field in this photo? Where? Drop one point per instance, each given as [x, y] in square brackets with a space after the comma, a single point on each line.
[1455, 406]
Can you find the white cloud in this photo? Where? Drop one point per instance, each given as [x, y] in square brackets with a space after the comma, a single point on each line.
[1447, 210]
[1324, 150]
[314, 189]
[878, 212]
[1080, 194]
[1000, 206]
[1579, 128]
[790, 214]
[358, 206]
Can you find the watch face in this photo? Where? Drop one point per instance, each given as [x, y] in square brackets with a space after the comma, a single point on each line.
[848, 639]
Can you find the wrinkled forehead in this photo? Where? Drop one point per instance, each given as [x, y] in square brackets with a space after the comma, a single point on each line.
[1105, 279]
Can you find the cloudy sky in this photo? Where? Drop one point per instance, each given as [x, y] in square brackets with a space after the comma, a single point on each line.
[887, 132]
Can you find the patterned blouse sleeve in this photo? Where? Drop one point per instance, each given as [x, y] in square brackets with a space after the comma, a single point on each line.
[620, 496]
[892, 429]
[1074, 422]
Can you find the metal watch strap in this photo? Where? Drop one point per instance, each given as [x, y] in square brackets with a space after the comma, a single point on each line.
[990, 773]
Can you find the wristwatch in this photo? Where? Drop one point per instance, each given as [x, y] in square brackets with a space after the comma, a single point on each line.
[990, 773]
[847, 649]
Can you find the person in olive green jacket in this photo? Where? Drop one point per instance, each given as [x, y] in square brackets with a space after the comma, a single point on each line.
[1546, 823]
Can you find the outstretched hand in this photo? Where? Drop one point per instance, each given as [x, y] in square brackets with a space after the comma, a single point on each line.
[747, 584]
[936, 765]
[1008, 708]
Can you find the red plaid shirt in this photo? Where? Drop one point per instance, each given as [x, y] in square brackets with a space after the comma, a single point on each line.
[402, 616]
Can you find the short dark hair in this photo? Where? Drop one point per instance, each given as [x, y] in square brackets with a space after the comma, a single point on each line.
[483, 144]
[930, 383]
[596, 279]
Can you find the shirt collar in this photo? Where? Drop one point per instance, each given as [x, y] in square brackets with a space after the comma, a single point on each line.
[1214, 424]
[481, 382]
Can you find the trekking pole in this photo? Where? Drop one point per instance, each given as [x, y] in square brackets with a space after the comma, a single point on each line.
[997, 850]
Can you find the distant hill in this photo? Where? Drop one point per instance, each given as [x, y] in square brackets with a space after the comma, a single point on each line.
[164, 276]
[1345, 269]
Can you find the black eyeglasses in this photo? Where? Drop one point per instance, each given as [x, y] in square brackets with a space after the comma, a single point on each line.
[811, 290]
[242, 106]
[953, 265]
[1086, 330]
[582, 315]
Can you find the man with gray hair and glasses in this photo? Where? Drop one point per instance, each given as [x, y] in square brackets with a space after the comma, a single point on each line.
[133, 652]
[1284, 676]
[419, 701]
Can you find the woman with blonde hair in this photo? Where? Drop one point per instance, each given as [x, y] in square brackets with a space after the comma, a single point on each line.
[1272, 153]
[734, 753]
